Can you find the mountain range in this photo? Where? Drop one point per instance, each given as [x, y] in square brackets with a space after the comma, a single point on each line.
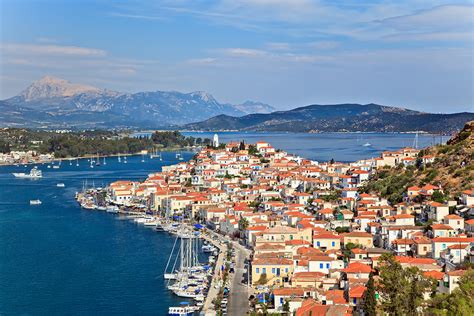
[339, 118]
[54, 102]
[57, 103]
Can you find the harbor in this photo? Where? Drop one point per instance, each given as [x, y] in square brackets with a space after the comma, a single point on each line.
[198, 264]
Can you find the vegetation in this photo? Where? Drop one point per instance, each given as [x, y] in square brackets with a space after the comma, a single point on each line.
[75, 144]
[401, 290]
[370, 303]
[453, 170]
[459, 302]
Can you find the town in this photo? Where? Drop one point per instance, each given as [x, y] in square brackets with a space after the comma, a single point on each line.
[309, 241]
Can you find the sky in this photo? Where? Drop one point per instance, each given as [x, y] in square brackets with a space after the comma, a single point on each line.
[288, 53]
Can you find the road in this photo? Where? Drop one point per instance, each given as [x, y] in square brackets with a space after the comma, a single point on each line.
[239, 292]
[208, 308]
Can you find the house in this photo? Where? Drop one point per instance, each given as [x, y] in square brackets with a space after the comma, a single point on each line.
[454, 221]
[326, 241]
[442, 243]
[442, 230]
[437, 211]
[356, 296]
[286, 294]
[358, 238]
[271, 271]
[467, 197]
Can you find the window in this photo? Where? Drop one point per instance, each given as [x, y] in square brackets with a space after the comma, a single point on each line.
[318, 243]
[321, 266]
[257, 270]
[333, 243]
[327, 265]
[286, 270]
[273, 270]
[443, 246]
[281, 300]
[264, 270]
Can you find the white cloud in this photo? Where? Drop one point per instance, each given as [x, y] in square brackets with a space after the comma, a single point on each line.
[444, 18]
[244, 52]
[52, 50]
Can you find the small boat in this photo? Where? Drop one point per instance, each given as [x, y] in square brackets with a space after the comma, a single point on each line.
[60, 185]
[182, 311]
[207, 248]
[49, 166]
[56, 167]
[367, 145]
[35, 202]
[101, 208]
[112, 209]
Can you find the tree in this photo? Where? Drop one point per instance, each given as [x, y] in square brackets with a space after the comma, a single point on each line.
[401, 290]
[370, 303]
[243, 223]
[459, 302]
[263, 279]
[286, 307]
[437, 196]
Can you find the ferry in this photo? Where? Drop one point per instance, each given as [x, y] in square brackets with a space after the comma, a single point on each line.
[35, 202]
[35, 173]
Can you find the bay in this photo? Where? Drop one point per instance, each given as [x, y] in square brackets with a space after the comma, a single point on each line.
[343, 147]
[57, 259]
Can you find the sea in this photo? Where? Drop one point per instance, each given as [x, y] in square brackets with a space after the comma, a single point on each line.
[58, 259]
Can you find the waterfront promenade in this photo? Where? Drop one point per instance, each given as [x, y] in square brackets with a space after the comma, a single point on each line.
[208, 307]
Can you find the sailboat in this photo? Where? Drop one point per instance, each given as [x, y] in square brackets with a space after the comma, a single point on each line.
[105, 162]
[125, 159]
[97, 163]
[118, 158]
[143, 158]
[77, 162]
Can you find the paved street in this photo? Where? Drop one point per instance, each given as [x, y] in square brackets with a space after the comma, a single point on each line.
[239, 292]
[208, 308]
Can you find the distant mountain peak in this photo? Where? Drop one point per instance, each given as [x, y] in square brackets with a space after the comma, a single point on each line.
[52, 87]
[203, 95]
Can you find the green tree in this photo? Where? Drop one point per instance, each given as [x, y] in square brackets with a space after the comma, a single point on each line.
[370, 302]
[243, 223]
[401, 290]
[286, 307]
[459, 302]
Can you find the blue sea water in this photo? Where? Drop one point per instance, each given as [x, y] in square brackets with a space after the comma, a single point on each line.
[57, 259]
[343, 147]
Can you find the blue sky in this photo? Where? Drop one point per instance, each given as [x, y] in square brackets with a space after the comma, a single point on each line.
[288, 53]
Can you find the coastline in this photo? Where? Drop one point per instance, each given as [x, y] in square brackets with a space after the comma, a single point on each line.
[88, 156]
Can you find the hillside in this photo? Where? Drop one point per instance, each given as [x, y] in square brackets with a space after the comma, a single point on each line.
[452, 169]
[55, 102]
[339, 118]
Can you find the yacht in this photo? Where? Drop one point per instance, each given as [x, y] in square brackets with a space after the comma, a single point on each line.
[35, 173]
[35, 202]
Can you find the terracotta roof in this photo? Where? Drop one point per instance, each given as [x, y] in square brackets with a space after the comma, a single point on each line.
[357, 267]
[437, 275]
[288, 291]
[357, 292]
